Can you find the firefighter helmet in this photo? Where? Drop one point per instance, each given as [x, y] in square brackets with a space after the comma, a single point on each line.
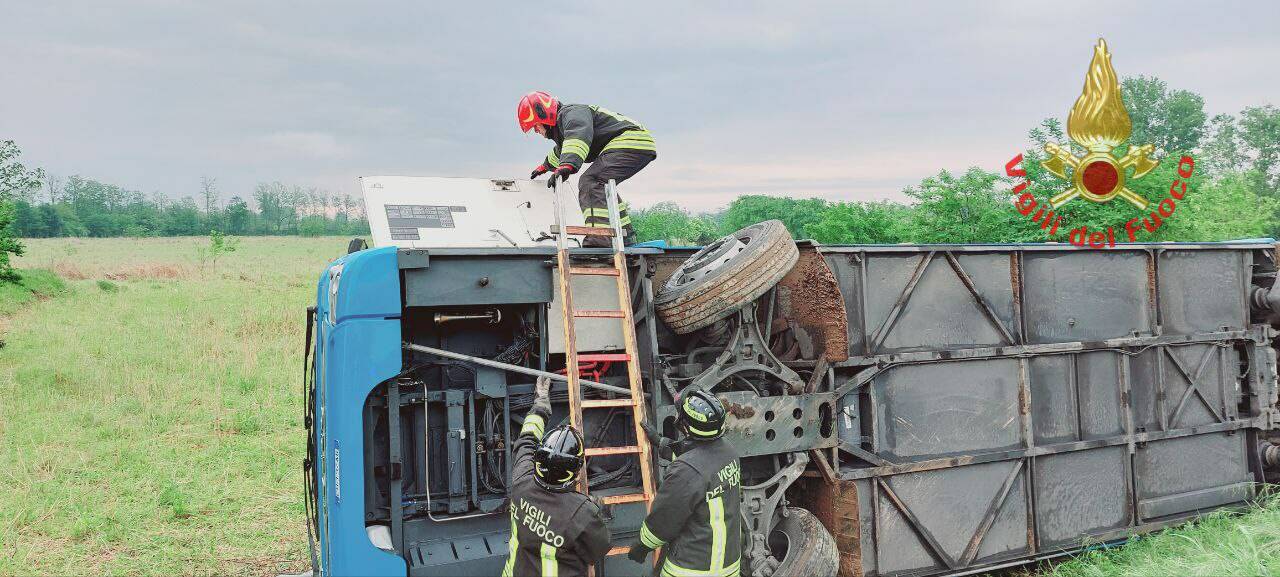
[537, 107]
[559, 458]
[701, 415]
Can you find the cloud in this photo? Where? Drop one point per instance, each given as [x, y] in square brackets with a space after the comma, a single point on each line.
[833, 99]
[302, 144]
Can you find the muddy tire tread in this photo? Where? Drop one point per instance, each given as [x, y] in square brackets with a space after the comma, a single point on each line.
[719, 296]
[818, 555]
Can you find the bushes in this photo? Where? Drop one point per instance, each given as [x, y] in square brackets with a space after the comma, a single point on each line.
[33, 284]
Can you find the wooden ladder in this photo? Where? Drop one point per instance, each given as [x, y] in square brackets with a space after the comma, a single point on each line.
[566, 271]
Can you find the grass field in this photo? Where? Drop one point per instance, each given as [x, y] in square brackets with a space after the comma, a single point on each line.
[150, 414]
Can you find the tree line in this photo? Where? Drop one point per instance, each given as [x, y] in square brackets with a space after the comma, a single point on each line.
[79, 206]
[1234, 191]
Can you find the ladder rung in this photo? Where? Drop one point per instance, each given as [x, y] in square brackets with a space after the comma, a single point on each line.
[605, 451]
[595, 271]
[609, 357]
[598, 314]
[619, 551]
[605, 403]
[584, 230]
[628, 498]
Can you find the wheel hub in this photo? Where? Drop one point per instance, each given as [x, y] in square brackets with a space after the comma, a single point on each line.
[711, 258]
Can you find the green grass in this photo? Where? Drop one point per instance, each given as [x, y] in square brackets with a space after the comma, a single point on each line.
[1222, 543]
[151, 412]
[35, 284]
[150, 420]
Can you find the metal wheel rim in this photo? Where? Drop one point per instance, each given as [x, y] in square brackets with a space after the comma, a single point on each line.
[710, 259]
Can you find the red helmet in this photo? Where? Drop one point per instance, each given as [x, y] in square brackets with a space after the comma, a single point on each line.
[537, 108]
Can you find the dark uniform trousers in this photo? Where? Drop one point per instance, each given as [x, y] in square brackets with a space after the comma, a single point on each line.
[615, 165]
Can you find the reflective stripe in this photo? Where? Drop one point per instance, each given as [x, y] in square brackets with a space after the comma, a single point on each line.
[718, 532]
[533, 424]
[648, 538]
[616, 116]
[670, 569]
[702, 433]
[620, 146]
[575, 146]
[550, 567]
[512, 545]
[632, 139]
[552, 158]
[624, 221]
[590, 212]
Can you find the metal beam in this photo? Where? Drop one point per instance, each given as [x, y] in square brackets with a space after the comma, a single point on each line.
[1192, 386]
[962, 460]
[512, 368]
[885, 328]
[987, 311]
[917, 526]
[989, 519]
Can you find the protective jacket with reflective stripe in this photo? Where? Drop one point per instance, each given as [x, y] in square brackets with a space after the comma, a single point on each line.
[583, 132]
[695, 514]
[553, 534]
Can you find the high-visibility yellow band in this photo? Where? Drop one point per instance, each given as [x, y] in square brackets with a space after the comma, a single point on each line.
[703, 433]
[616, 116]
[670, 569]
[553, 158]
[718, 532]
[622, 140]
[513, 545]
[615, 145]
[632, 139]
[649, 539]
[533, 424]
[575, 146]
[588, 212]
[550, 567]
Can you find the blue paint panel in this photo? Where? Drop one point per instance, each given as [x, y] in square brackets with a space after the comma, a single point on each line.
[353, 355]
[370, 285]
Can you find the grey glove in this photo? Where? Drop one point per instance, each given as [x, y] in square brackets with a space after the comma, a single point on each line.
[542, 392]
[606, 511]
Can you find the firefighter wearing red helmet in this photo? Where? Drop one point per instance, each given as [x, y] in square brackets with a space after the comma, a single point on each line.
[616, 146]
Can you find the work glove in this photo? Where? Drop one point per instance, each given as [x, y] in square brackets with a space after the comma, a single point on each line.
[638, 552]
[651, 433]
[606, 511]
[659, 443]
[562, 172]
[542, 393]
[541, 170]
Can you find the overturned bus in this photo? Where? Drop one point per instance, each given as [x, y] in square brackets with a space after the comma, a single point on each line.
[900, 410]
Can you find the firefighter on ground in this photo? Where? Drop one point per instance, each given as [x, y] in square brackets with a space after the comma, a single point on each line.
[695, 515]
[555, 530]
[616, 146]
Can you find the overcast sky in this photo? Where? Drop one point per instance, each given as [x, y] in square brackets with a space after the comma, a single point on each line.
[836, 100]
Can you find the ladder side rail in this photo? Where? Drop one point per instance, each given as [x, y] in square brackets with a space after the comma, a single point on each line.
[566, 315]
[629, 339]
